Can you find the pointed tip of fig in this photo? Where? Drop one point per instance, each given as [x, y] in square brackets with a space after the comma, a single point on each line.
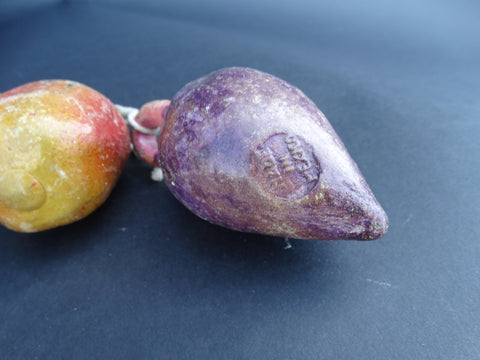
[375, 224]
[378, 226]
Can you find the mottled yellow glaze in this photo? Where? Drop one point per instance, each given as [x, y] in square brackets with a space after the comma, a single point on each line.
[19, 190]
[62, 147]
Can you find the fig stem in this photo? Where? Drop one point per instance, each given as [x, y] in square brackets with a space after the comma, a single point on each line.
[129, 113]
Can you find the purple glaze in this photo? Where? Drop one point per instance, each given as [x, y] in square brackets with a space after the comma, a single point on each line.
[248, 151]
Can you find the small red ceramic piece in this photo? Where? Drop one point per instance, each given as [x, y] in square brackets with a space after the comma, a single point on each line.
[151, 116]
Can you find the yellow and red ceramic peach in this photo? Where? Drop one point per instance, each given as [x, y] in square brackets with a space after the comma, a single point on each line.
[62, 148]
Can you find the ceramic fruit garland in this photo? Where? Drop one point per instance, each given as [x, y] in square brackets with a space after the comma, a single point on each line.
[240, 148]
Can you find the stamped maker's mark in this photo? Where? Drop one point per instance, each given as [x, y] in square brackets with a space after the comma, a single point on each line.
[286, 166]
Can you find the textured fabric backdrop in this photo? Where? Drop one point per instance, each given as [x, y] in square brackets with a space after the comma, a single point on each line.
[142, 277]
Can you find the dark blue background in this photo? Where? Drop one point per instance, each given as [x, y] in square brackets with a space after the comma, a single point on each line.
[144, 278]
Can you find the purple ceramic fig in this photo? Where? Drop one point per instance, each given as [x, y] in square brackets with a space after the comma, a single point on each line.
[248, 151]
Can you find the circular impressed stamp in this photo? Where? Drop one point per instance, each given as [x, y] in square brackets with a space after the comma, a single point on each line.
[286, 166]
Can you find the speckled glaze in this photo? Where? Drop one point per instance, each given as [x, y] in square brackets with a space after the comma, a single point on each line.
[62, 148]
[248, 151]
